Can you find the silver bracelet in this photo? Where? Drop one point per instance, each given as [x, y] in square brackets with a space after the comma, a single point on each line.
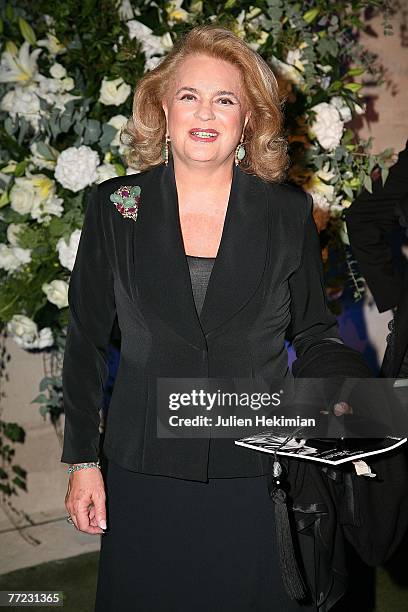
[81, 466]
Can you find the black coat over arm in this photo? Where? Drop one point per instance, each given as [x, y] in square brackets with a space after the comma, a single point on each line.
[370, 219]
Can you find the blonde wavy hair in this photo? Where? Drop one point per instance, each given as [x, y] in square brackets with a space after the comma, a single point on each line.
[265, 145]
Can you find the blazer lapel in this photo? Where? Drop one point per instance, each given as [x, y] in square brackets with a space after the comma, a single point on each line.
[161, 269]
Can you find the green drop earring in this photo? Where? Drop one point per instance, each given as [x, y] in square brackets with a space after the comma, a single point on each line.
[240, 152]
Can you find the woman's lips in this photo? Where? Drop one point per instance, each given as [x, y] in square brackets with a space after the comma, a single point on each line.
[193, 134]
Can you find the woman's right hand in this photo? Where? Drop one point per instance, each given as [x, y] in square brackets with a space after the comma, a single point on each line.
[85, 500]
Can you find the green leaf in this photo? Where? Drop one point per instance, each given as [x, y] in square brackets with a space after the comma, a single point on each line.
[311, 15]
[47, 380]
[40, 399]
[27, 31]
[19, 483]
[353, 86]
[92, 131]
[120, 169]
[20, 168]
[19, 471]
[384, 174]
[355, 71]
[45, 151]
[229, 4]
[4, 199]
[348, 191]
[368, 184]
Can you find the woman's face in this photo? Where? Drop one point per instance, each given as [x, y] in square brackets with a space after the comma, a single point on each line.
[207, 96]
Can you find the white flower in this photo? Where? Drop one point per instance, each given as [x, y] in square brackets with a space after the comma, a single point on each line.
[22, 102]
[325, 173]
[57, 292]
[45, 338]
[175, 12]
[24, 332]
[58, 71]
[22, 196]
[114, 92]
[327, 126]
[287, 72]
[105, 172]
[342, 107]
[42, 211]
[293, 57]
[360, 110]
[11, 258]
[125, 10]
[67, 84]
[19, 67]
[39, 160]
[67, 251]
[151, 44]
[319, 199]
[36, 195]
[13, 231]
[166, 42]
[152, 62]
[53, 91]
[52, 44]
[76, 167]
[118, 121]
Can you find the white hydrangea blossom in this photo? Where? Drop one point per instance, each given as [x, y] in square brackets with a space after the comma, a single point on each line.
[57, 292]
[24, 332]
[67, 251]
[327, 126]
[76, 167]
[114, 92]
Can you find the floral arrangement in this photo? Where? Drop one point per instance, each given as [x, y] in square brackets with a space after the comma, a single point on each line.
[67, 71]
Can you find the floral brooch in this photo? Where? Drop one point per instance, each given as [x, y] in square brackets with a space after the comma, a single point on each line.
[127, 200]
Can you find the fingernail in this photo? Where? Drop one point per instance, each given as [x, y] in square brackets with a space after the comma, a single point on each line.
[102, 524]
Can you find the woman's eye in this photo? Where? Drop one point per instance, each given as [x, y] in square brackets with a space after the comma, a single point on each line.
[226, 100]
[187, 96]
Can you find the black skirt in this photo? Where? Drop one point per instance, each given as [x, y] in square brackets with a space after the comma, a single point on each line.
[175, 545]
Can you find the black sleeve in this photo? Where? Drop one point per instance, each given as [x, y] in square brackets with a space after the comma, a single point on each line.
[311, 319]
[91, 316]
[370, 219]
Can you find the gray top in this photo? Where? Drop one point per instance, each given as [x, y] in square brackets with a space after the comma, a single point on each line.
[200, 271]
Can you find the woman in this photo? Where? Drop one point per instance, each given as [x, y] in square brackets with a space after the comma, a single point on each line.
[190, 524]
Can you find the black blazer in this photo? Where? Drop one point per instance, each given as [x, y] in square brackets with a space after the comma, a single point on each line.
[370, 218]
[266, 284]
